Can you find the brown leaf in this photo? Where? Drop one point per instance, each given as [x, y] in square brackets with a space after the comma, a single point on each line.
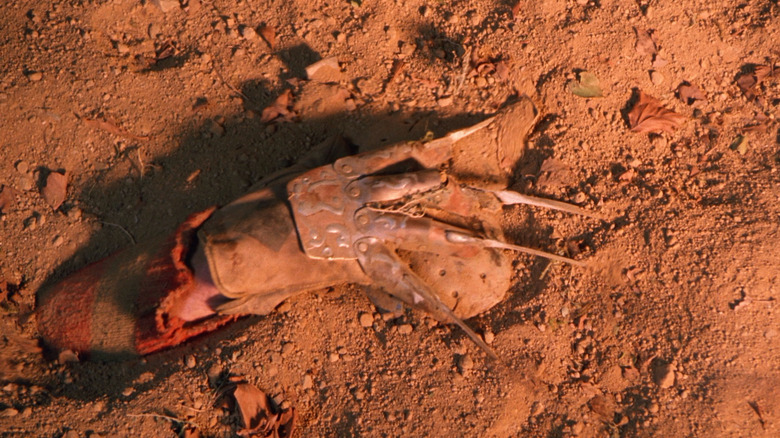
[7, 198]
[112, 128]
[747, 81]
[55, 189]
[166, 50]
[689, 93]
[649, 116]
[259, 415]
[279, 109]
[644, 42]
[268, 33]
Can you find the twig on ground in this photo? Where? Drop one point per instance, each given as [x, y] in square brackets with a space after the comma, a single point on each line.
[234, 89]
[132, 239]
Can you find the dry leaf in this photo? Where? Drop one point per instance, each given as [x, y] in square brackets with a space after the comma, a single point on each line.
[7, 198]
[280, 109]
[268, 33]
[588, 86]
[644, 42]
[740, 144]
[55, 189]
[649, 116]
[112, 128]
[689, 93]
[166, 50]
[259, 415]
[747, 81]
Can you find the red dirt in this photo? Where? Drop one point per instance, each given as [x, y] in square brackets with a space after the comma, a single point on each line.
[154, 115]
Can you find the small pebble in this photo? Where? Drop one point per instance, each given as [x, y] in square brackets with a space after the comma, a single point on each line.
[153, 31]
[249, 33]
[288, 348]
[128, 391]
[656, 77]
[308, 382]
[405, 329]
[444, 102]
[191, 362]
[664, 375]
[489, 336]
[366, 319]
[214, 372]
[466, 363]
[35, 76]
[166, 5]
[31, 223]
[333, 357]
[98, 406]
[27, 183]
[22, 167]
[74, 214]
[9, 412]
[284, 307]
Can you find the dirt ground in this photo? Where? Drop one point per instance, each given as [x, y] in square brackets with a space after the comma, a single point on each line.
[156, 109]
